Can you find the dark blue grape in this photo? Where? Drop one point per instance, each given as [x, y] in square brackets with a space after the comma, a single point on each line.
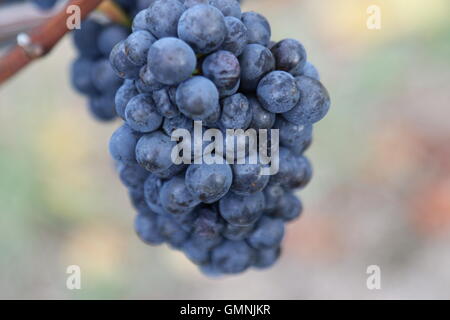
[232, 257]
[81, 76]
[261, 118]
[256, 61]
[123, 96]
[152, 190]
[259, 31]
[179, 122]
[171, 232]
[309, 70]
[104, 77]
[153, 151]
[207, 228]
[289, 207]
[198, 99]
[176, 198]
[248, 178]
[314, 102]
[227, 7]
[123, 67]
[236, 112]
[273, 194]
[147, 82]
[268, 233]
[223, 69]
[140, 22]
[197, 254]
[165, 102]
[236, 38]
[301, 173]
[147, 228]
[295, 137]
[242, 210]
[110, 36]
[141, 114]
[132, 175]
[203, 28]
[265, 258]
[290, 55]
[122, 145]
[86, 37]
[162, 17]
[137, 45]
[102, 106]
[278, 92]
[171, 61]
[209, 182]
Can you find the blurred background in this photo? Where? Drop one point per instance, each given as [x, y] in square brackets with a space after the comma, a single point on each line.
[380, 195]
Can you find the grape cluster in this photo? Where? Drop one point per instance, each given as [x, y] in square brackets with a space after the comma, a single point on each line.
[91, 72]
[205, 60]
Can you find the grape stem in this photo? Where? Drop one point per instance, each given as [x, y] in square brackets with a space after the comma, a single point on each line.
[42, 39]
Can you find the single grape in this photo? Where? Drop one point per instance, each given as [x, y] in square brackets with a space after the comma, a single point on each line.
[122, 144]
[121, 64]
[290, 55]
[198, 99]
[104, 78]
[102, 106]
[141, 114]
[152, 190]
[146, 226]
[223, 69]
[153, 151]
[179, 122]
[176, 198]
[171, 232]
[236, 112]
[209, 182]
[289, 207]
[265, 258]
[165, 102]
[248, 178]
[236, 38]
[137, 45]
[86, 37]
[242, 210]
[227, 7]
[203, 28]
[81, 76]
[256, 61]
[162, 17]
[313, 105]
[109, 37]
[123, 96]
[232, 257]
[258, 27]
[293, 136]
[261, 118]
[278, 92]
[268, 233]
[132, 175]
[171, 61]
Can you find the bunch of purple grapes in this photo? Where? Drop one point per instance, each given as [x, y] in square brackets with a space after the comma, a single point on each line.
[205, 60]
[91, 72]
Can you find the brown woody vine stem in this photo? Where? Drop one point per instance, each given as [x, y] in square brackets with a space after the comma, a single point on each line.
[41, 40]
